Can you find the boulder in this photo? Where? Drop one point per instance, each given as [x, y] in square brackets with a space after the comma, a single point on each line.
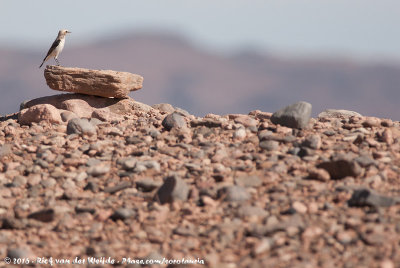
[296, 115]
[104, 83]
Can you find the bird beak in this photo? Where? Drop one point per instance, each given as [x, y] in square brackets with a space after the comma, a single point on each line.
[69, 32]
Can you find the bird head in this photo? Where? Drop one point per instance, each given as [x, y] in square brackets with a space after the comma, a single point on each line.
[63, 33]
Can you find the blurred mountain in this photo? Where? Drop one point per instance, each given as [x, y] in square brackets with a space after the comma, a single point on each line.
[178, 72]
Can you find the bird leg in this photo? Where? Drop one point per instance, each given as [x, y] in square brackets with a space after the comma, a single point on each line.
[58, 63]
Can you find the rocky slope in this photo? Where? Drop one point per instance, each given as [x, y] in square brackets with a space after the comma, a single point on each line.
[157, 183]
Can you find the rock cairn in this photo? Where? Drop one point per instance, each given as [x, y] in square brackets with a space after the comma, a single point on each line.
[88, 176]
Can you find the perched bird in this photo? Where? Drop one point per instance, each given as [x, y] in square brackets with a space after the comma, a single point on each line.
[56, 47]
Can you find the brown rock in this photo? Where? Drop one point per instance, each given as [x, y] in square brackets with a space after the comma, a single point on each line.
[84, 105]
[104, 83]
[341, 166]
[37, 113]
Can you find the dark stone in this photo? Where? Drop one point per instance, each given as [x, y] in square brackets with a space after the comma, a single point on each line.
[45, 215]
[19, 253]
[85, 210]
[366, 197]
[92, 186]
[123, 214]
[174, 188]
[206, 123]
[304, 151]
[296, 115]
[80, 126]
[174, 120]
[341, 166]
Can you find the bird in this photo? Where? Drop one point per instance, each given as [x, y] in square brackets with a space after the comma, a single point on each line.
[56, 47]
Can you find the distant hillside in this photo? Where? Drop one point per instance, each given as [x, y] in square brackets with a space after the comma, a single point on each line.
[179, 73]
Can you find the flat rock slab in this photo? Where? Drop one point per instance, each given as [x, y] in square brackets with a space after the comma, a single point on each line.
[103, 83]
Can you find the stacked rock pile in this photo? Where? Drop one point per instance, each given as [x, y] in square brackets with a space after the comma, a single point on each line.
[119, 179]
[97, 94]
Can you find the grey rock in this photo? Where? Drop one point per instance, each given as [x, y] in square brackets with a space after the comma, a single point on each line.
[330, 133]
[154, 133]
[269, 145]
[19, 253]
[296, 115]
[182, 112]
[294, 150]
[92, 186]
[174, 120]
[134, 140]
[150, 164]
[334, 113]
[80, 126]
[312, 141]
[128, 163]
[365, 161]
[19, 181]
[305, 151]
[98, 170]
[123, 214]
[340, 166]
[48, 183]
[234, 193]
[366, 197]
[23, 104]
[174, 188]
[5, 150]
[95, 121]
[239, 133]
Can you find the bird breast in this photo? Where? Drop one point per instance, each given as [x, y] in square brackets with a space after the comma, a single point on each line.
[59, 48]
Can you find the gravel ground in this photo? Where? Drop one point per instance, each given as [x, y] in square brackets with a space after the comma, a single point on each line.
[225, 191]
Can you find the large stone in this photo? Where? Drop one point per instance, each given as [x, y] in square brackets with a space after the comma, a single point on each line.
[174, 120]
[296, 115]
[104, 83]
[38, 113]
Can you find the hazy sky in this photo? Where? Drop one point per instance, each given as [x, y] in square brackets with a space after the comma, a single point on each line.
[358, 28]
